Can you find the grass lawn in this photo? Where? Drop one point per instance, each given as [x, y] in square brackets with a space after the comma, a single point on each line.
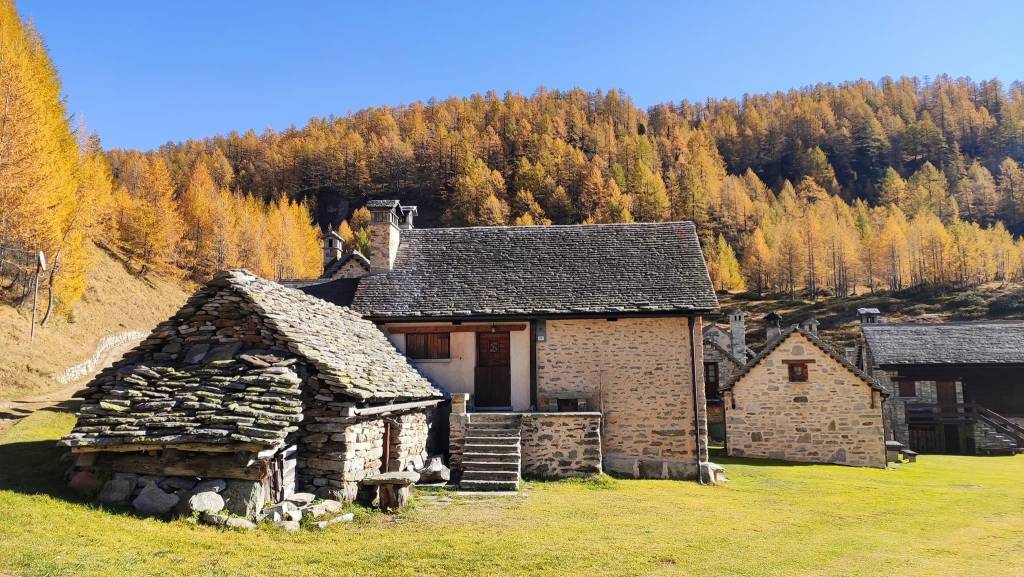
[948, 516]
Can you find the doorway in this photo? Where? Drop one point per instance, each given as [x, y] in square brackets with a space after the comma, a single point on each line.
[493, 379]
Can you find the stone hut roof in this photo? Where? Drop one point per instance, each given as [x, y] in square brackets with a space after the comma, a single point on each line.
[816, 341]
[332, 269]
[509, 271]
[228, 368]
[969, 343]
[725, 352]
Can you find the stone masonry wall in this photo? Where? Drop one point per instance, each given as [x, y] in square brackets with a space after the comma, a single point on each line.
[408, 446]
[561, 445]
[337, 452]
[834, 417]
[640, 378]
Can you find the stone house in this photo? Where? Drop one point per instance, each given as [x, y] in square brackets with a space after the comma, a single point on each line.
[555, 334]
[725, 354]
[800, 400]
[955, 387]
[262, 386]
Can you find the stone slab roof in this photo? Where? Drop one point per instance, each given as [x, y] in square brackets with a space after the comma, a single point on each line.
[542, 270]
[816, 341]
[179, 386]
[983, 342]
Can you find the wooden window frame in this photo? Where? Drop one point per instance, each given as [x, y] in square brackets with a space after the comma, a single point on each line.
[428, 346]
[798, 371]
[715, 382]
[903, 386]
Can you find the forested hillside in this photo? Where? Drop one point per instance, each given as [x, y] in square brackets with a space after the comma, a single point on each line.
[59, 195]
[880, 185]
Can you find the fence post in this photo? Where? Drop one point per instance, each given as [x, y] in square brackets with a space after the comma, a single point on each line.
[40, 267]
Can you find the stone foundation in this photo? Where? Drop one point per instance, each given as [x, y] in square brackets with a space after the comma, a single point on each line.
[561, 445]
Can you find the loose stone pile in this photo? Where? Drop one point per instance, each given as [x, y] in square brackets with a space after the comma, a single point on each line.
[225, 503]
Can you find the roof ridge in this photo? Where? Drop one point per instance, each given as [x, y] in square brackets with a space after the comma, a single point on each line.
[815, 340]
[552, 226]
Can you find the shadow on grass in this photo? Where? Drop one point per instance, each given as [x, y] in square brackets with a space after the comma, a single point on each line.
[37, 467]
[751, 462]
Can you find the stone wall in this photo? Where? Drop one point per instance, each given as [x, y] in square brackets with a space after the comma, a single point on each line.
[408, 442]
[834, 417]
[338, 452]
[727, 369]
[896, 406]
[561, 445]
[638, 374]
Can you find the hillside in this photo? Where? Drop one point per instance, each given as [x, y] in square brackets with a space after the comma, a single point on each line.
[838, 316]
[115, 301]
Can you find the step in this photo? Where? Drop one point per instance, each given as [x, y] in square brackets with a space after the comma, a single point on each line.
[512, 476]
[492, 431]
[475, 440]
[495, 418]
[477, 457]
[489, 485]
[510, 465]
[491, 448]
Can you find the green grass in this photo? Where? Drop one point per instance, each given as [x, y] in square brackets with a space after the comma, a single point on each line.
[947, 516]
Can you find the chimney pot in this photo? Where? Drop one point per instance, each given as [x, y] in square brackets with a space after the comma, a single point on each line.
[385, 234]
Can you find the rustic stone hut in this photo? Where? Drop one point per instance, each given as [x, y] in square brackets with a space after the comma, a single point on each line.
[800, 400]
[260, 385]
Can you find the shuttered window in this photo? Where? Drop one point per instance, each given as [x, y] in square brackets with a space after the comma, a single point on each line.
[427, 345]
[711, 381]
[797, 372]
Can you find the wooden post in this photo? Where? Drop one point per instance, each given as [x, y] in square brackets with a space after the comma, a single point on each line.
[40, 267]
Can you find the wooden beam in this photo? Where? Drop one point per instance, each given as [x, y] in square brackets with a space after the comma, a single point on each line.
[143, 447]
[203, 466]
[379, 410]
[457, 328]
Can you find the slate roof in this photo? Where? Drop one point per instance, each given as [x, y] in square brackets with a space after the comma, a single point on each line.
[334, 266]
[983, 342]
[378, 203]
[541, 270]
[175, 388]
[774, 344]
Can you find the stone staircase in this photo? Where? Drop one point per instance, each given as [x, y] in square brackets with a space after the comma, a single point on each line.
[997, 435]
[491, 457]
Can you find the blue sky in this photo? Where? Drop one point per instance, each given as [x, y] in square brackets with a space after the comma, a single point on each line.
[143, 73]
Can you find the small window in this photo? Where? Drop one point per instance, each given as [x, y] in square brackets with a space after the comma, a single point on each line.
[711, 381]
[797, 372]
[907, 388]
[427, 346]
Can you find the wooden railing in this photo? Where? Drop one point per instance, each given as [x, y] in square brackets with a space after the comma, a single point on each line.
[1001, 424]
[933, 413]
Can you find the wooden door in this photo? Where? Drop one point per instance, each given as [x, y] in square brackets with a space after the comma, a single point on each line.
[945, 395]
[493, 383]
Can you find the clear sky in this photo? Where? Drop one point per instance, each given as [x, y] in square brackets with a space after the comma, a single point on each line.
[143, 73]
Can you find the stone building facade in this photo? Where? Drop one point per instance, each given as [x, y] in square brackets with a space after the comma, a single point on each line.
[638, 373]
[800, 400]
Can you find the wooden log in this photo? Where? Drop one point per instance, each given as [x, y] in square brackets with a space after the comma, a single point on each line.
[393, 497]
[203, 466]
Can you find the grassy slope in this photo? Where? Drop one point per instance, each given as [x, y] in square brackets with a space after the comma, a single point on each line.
[944, 515]
[115, 301]
[838, 316]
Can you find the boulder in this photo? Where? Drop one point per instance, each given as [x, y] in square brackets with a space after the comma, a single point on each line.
[154, 501]
[334, 520]
[284, 511]
[243, 498]
[215, 519]
[331, 493]
[206, 502]
[215, 485]
[116, 491]
[290, 526]
[239, 523]
[84, 482]
[435, 471]
[325, 507]
[301, 498]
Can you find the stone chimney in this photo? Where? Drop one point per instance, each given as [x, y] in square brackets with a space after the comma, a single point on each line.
[738, 334]
[384, 234]
[773, 330]
[407, 213]
[869, 316]
[810, 325]
[333, 247]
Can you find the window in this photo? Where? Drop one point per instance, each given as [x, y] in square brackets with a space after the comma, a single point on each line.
[427, 346]
[797, 371]
[907, 388]
[711, 381]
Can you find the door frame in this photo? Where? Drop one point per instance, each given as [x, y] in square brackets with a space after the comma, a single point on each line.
[505, 370]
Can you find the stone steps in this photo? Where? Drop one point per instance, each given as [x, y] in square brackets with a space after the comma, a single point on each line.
[489, 485]
[492, 454]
